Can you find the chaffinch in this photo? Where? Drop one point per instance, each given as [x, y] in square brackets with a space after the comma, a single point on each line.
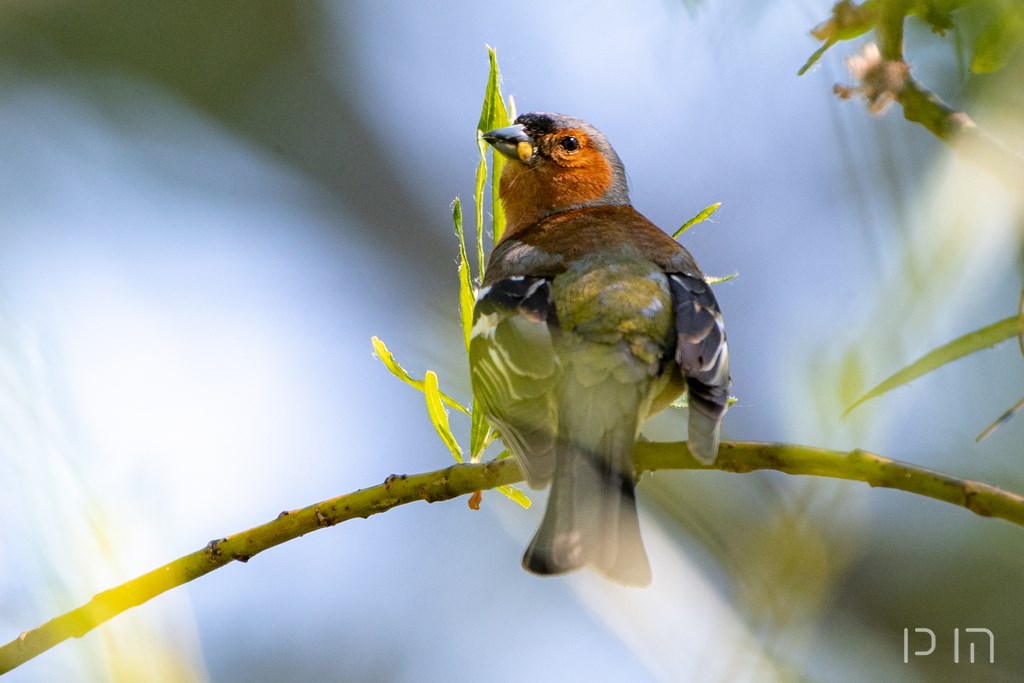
[589, 319]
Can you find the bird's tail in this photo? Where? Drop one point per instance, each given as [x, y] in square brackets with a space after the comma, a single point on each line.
[707, 406]
[591, 516]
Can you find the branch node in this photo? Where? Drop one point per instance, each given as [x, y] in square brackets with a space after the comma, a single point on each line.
[879, 81]
[429, 497]
[213, 548]
[973, 502]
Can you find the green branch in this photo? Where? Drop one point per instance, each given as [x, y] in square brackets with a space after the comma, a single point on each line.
[463, 479]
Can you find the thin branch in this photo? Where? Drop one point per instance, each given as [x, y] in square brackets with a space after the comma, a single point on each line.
[890, 29]
[857, 465]
[459, 480]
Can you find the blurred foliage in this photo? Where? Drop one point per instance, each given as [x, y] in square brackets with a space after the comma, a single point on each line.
[972, 342]
[255, 68]
[994, 29]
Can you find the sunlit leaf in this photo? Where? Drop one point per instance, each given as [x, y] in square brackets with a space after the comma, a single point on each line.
[712, 280]
[478, 198]
[516, 494]
[704, 214]
[947, 353]
[480, 433]
[682, 404]
[398, 371]
[466, 297]
[493, 114]
[439, 416]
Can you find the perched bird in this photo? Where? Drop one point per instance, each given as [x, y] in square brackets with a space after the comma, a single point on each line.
[589, 319]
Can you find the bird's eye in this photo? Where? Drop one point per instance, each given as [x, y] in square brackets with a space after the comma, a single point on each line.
[569, 144]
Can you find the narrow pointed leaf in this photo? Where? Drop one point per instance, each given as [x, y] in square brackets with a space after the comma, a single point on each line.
[699, 218]
[494, 114]
[439, 416]
[947, 353]
[466, 297]
[682, 404]
[398, 371]
[816, 57]
[712, 280]
[497, 210]
[478, 200]
[1000, 421]
[480, 433]
[516, 495]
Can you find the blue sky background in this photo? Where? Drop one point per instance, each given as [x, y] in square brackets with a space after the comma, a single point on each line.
[206, 211]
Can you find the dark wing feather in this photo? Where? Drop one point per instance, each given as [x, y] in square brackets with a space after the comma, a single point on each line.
[703, 355]
[513, 368]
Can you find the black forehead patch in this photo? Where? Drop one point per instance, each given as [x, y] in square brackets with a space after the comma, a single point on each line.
[542, 123]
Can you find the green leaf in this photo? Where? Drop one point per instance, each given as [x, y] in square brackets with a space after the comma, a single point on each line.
[712, 280]
[704, 214]
[516, 495]
[480, 433]
[439, 416]
[497, 209]
[998, 41]
[682, 404]
[848, 21]
[947, 353]
[466, 296]
[1005, 417]
[478, 198]
[814, 58]
[398, 371]
[493, 114]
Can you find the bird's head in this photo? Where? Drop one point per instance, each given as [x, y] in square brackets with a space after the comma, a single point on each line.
[556, 163]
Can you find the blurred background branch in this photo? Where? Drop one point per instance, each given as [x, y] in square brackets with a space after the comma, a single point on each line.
[883, 75]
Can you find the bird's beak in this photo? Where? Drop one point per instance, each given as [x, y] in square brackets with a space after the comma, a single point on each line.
[513, 142]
